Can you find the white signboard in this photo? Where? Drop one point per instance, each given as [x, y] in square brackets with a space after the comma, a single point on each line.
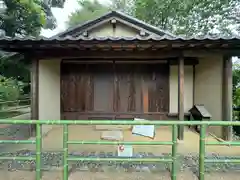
[143, 130]
[125, 151]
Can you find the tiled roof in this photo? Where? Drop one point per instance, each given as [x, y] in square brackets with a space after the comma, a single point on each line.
[112, 14]
[135, 38]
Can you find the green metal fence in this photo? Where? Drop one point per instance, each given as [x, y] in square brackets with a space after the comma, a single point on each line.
[10, 109]
[173, 143]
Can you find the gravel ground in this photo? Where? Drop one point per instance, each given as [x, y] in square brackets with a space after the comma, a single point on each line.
[19, 132]
[54, 159]
[52, 167]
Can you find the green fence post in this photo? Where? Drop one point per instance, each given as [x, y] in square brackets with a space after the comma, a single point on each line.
[174, 152]
[202, 152]
[65, 149]
[38, 151]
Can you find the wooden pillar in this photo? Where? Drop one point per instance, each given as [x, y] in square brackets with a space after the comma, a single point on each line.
[34, 93]
[194, 78]
[181, 97]
[227, 97]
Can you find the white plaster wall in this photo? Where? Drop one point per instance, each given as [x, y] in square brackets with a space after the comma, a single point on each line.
[208, 87]
[107, 30]
[49, 91]
[188, 88]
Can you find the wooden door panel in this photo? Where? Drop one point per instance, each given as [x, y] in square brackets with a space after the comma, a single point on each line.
[103, 87]
[76, 88]
[103, 92]
[128, 88]
[155, 88]
[125, 93]
[114, 88]
[79, 94]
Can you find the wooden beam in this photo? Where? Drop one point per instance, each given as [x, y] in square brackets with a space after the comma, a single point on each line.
[188, 61]
[115, 61]
[227, 97]
[181, 97]
[106, 55]
[194, 78]
[34, 91]
[210, 52]
[172, 61]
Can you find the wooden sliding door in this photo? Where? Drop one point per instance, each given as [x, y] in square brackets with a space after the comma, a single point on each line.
[112, 90]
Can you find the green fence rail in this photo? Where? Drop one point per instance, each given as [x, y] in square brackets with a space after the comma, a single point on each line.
[173, 160]
[10, 109]
[16, 102]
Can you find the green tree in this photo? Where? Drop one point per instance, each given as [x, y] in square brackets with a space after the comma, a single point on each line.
[14, 65]
[126, 6]
[27, 17]
[89, 10]
[23, 18]
[236, 95]
[10, 89]
[236, 84]
[185, 17]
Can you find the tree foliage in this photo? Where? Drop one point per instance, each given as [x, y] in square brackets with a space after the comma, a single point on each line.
[21, 18]
[89, 11]
[185, 17]
[236, 85]
[10, 89]
[14, 65]
[27, 17]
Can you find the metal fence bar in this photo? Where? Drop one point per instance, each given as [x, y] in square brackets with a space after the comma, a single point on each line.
[6, 102]
[19, 158]
[9, 109]
[14, 108]
[65, 152]
[225, 143]
[202, 152]
[17, 142]
[173, 159]
[121, 142]
[94, 159]
[118, 122]
[38, 151]
[222, 160]
[174, 152]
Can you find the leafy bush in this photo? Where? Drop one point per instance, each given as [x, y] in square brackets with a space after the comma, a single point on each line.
[10, 89]
[236, 96]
